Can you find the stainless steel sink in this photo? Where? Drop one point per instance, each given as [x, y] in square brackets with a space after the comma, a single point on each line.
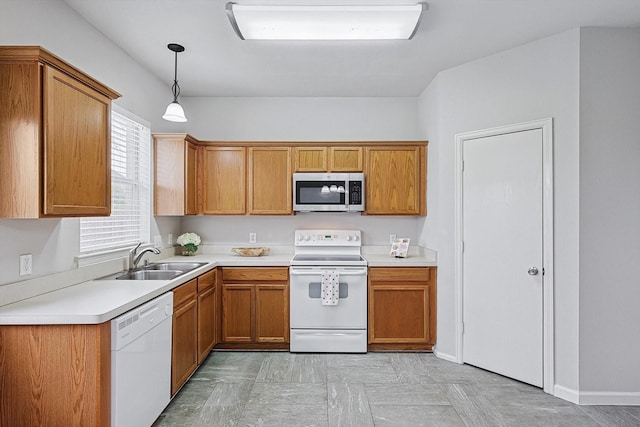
[182, 266]
[150, 275]
[157, 271]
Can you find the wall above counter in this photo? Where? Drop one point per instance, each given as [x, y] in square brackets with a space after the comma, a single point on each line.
[255, 178]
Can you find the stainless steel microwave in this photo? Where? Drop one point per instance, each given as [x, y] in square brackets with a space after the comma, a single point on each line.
[328, 192]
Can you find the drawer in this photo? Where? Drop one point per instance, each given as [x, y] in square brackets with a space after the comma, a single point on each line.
[185, 293]
[255, 274]
[396, 274]
[206, 281]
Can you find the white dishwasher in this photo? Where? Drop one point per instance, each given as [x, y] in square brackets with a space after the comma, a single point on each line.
[141, 363]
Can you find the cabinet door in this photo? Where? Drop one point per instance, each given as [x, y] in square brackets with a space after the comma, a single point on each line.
[77, 148]
[184, 347]
[310, 159]
[224, 177]
[270, 181]
[206, 314]
[345, 159]
[238, 313]
[272, 313]
[398, 313]
[395, 180]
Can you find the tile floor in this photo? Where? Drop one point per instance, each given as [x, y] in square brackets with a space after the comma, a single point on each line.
[374, 389]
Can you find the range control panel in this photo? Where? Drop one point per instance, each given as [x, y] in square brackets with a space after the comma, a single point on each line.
[328, 238]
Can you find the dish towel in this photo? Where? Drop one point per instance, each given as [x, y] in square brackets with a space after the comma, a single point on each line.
[330, 287]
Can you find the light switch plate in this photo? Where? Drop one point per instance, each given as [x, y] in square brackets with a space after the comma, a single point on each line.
[169, 239]
[253, 238]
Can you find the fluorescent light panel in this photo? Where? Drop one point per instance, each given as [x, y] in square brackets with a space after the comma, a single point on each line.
[337, 22]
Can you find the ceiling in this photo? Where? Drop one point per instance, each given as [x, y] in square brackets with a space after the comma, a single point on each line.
[217, 63]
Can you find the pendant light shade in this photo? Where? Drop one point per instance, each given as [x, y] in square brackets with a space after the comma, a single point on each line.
[175, 112]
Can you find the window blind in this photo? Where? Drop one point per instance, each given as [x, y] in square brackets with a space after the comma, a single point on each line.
[130, 189]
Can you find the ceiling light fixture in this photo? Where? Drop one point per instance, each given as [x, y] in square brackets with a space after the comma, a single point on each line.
[175, 112]
[336, 22]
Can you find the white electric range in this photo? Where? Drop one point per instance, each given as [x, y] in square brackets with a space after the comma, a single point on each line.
[319, 324]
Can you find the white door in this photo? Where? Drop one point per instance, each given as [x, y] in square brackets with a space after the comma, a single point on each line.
[502, 249]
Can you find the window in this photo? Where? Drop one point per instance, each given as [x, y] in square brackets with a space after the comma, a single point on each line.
[130, 188]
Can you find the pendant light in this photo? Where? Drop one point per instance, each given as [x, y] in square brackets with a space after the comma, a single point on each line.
[174, 112]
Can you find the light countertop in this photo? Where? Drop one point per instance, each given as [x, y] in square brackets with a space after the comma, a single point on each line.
[97, 301]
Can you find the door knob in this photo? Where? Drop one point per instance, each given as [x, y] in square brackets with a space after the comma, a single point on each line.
[533, 271]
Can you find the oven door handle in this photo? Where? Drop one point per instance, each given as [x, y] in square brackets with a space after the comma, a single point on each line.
[315, 272]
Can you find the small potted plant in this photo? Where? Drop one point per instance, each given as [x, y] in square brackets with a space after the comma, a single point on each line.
[189, 243]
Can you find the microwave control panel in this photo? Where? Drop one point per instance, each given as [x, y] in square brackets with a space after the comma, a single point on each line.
[355, 191]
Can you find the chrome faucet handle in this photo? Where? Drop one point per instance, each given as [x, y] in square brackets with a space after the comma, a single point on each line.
[135, 249]
[132, 255]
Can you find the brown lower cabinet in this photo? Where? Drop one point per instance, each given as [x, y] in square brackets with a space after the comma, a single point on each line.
[255, 308]
[402, 308]
[55, 375]
[194, 308]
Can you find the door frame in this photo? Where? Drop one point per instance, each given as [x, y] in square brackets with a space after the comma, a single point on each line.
[546, 125]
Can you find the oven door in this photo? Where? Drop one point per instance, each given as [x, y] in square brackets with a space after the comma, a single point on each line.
[307, 311]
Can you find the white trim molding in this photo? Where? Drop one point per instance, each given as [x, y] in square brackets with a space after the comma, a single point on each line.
[546, 125]
[597, 397]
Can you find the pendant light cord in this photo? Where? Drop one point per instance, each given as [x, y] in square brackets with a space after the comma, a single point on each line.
[175, 88]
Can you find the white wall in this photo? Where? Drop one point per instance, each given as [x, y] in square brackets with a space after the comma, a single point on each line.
[302, 119]
[429, 126]
[56, 27]
[534, 81]
[609, 210]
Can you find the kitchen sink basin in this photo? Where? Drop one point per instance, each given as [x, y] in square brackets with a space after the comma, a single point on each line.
[156, 271]
[150, 275]
[182, 266]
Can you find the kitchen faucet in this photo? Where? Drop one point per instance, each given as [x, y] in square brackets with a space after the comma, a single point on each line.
[135, 257]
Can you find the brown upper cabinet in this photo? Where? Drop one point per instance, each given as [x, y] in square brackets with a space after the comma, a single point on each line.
[55, 137]
[270, 181]
[328, 159]
[255, 178]
[224, 180]
[396, 180]
[175, 175]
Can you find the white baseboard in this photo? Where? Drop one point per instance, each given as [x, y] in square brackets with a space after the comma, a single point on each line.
[597, 397]
[609, 398]
[445, 356]
[566, 393]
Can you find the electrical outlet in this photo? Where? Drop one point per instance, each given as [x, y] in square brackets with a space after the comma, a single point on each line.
[252, 238]
[157, 241]
[169, 239]
[26, 265]
[391, 238]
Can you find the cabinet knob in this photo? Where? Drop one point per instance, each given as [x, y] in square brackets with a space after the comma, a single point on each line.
[533, 271]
